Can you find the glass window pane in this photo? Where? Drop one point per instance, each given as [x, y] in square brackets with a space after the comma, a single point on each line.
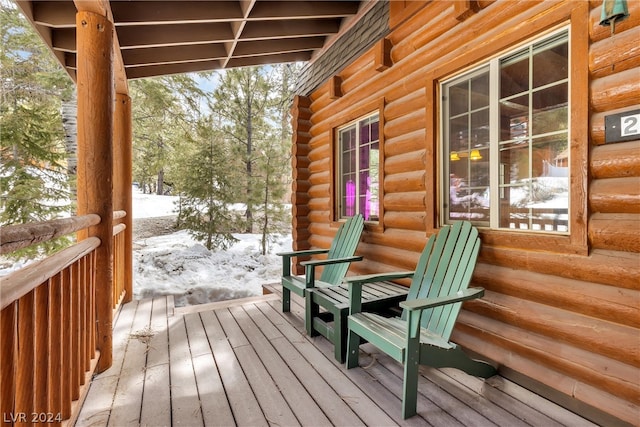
[375, 132]
[514, 76]
[480, 128]
[459, 133]
[514, 162]
[550, 109]
[459, 98]
[365, 132]
[480, 91]
[551, 156]
[349, 199]
[550, 64]
[514, 118]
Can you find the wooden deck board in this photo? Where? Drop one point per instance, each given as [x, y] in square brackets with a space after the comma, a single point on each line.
[366, 409]
[298, 398]
[128, 396]
[156, 401]
[243, 403]
[98, 404]
[185, 402]
[246, 363]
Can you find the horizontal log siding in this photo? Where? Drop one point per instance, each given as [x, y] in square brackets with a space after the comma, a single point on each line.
[566, 319]
[300, 121]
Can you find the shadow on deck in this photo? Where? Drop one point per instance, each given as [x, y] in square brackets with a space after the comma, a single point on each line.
[246, 363]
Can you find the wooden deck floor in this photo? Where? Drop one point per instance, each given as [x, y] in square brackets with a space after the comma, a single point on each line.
[246, 363]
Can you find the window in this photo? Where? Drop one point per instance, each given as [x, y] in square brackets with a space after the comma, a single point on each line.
[358, 168]
[505, 140]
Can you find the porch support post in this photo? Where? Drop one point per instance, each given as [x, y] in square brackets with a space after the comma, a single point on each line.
[122, 180]
[95, 83]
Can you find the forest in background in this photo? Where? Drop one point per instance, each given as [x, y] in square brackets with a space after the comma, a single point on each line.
[220, 141]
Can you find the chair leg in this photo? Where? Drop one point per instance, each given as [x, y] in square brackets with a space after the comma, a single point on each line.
[353, 349]
[339, 338]
[411, 374]
[311, 311]
[286, 300]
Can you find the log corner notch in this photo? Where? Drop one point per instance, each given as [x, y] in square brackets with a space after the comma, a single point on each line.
[335, 87]
[383, 55]
[465, 8]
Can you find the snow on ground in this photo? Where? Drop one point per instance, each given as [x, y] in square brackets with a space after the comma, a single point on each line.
[176, 264]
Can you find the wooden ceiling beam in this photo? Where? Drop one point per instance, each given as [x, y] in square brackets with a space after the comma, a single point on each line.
[171, 35]
[303, 10]
[269, 59]
[165, 69]
[171, 54]
[261, 47]
[63, 39]
[57, 14]
[166, 12]
[277, 29]
[154, 37]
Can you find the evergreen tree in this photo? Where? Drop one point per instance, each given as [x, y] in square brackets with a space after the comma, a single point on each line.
[33, 181]
[274, 163]
[163, 110]
[272, 213]
[206, 187]
[243, 100]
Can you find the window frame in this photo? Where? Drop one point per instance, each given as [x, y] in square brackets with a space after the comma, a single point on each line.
[576, 15]
[364, 111]
[495, 144]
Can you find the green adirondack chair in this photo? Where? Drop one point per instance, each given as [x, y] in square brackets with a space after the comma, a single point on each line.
[339, 257]
[421, 336]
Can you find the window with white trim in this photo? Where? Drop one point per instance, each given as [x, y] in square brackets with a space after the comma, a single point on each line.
[358, 146]
[505, 140]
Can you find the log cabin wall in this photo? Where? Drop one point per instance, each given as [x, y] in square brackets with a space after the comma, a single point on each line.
[561, 315]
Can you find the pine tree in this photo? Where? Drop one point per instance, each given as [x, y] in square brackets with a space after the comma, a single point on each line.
[33, 180]
[163, 109]
[242, 100]
[275, 160]
[206, 187]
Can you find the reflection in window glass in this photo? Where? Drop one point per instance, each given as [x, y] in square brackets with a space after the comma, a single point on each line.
[525, 130]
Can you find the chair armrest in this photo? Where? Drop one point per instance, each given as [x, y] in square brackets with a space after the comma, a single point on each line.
[421, 304]
[378, 277]
[303, 253]
[286, 258]
[310, 267]
[355, 284]
[317, 262]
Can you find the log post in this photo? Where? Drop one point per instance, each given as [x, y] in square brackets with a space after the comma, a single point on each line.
[122, 161]
[95, 82]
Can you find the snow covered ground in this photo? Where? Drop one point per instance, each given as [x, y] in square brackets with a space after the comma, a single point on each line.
[175, 264]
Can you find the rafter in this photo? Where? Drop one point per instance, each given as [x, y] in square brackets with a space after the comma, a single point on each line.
[155, 37]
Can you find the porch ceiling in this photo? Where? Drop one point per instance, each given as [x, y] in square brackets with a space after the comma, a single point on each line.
[169, 37]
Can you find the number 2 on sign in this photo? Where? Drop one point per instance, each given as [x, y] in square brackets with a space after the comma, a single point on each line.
[630, 125]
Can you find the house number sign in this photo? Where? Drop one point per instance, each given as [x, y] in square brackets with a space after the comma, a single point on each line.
[622, 127]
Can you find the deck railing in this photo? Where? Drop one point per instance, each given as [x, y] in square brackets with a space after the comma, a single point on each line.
[48, 325]
[119, 257]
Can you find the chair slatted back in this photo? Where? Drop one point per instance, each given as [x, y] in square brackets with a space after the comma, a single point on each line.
[344, 245]
[444, 268]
